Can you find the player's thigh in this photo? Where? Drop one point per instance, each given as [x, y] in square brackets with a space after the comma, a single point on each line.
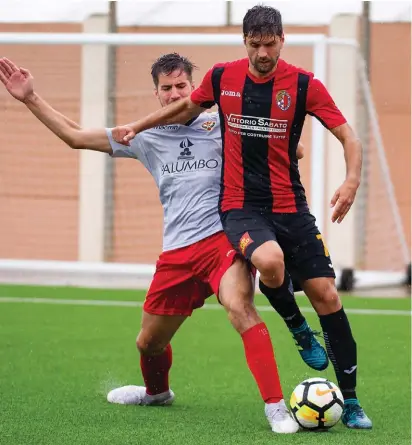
[217, 264]
[229, 276]
[157, 331]
[173, 290]
[249, 231]
[306, 255]
[169, 301]
[237, 284]
[236, 292]
[226, 274]
[181, 299]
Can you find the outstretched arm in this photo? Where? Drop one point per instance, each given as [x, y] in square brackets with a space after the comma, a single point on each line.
[178, 112]
[68, 131]
[19, 83]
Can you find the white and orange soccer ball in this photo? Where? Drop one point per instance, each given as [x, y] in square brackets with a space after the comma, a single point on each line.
[316, 404]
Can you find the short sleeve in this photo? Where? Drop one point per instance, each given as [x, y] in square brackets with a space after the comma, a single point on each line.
[203, 95]
[134, 150]
[320, 104]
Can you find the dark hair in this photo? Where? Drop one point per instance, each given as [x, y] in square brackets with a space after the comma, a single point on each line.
[262, 20]
[168, 63]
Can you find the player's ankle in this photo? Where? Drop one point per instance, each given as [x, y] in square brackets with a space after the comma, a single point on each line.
[351, 401]
[157, 393]
[275, 400]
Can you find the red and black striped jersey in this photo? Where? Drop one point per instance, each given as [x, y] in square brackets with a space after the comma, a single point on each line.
[261, 122]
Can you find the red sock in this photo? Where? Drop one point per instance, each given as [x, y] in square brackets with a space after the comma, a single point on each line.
[155, 370]
[262, 363]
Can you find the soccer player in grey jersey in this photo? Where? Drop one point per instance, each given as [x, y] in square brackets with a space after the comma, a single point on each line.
[197, 258]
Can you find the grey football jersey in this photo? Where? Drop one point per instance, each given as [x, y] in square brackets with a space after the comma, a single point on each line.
[185, 161]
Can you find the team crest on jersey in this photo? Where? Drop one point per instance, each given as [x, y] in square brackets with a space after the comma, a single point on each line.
[208, 125]
[283, 100]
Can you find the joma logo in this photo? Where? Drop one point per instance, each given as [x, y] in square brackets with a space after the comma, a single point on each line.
[230, 93]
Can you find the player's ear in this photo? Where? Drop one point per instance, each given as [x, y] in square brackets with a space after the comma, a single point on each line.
[156, 93]
[193, 86]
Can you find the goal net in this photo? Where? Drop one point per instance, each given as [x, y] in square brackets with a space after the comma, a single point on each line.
[81, 218]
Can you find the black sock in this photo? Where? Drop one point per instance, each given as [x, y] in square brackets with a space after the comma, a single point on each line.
[283, 301]
[341, 348]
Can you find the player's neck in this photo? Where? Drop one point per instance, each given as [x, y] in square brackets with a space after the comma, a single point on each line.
[259, 75]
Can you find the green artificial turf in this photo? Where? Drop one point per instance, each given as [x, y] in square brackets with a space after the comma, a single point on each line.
[57, 363]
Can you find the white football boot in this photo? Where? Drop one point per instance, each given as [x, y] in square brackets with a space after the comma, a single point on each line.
[136, 395]
[280, 419]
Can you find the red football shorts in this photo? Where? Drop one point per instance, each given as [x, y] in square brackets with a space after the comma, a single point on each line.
[185, 277]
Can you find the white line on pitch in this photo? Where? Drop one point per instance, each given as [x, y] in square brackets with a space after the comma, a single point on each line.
[207, 306]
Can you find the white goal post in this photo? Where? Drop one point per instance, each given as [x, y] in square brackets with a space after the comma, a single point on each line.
[91, 236]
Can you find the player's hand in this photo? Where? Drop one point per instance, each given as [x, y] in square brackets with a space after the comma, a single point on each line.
[343, 199]
[123, 134]
[18, 81]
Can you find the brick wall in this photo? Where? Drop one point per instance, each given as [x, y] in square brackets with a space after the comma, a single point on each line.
[39, 174]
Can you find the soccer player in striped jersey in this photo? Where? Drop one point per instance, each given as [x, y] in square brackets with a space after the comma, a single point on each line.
[263, 102]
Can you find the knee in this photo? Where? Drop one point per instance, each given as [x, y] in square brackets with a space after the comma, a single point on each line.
[328, 297]
[242, 315]
[268, 260]
[272, 270]
[240, 309]
[146, 345]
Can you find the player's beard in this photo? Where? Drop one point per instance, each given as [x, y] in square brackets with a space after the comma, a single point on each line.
[265, 66]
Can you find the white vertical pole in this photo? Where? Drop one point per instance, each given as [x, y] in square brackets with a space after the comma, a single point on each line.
[93, 165]
[343, 87]
[317, 185]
